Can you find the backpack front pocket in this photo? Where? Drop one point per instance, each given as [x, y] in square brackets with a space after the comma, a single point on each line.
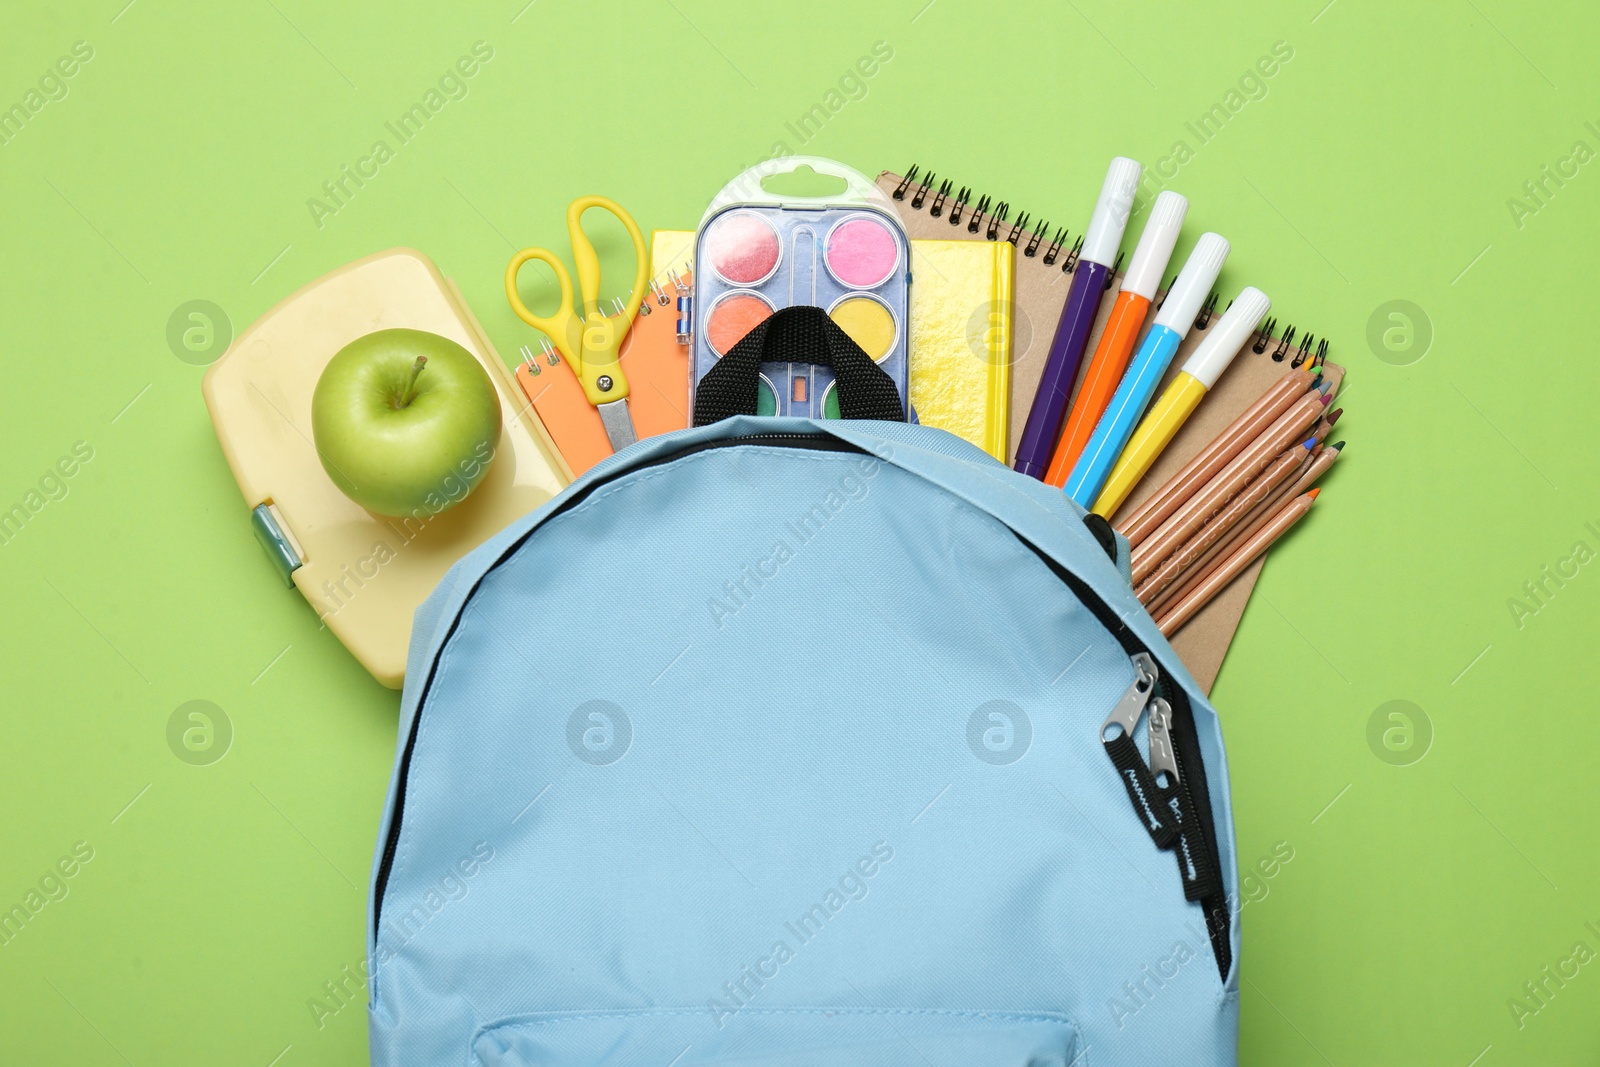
[780, 1037]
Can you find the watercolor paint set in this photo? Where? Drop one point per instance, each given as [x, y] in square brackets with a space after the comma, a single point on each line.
[760, 252]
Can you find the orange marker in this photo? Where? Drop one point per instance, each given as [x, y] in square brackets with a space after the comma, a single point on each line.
[1122, 330]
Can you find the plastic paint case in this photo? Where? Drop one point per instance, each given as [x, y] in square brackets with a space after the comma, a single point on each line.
[760, 251]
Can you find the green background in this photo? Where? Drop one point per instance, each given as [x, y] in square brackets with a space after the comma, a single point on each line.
[1378, 166]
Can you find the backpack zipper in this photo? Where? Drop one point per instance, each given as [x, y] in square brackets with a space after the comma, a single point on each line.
[1163, 762]
[1157, 790]
[1200, 878]
[1116, 734]
[1197, 848]
[1187, 795]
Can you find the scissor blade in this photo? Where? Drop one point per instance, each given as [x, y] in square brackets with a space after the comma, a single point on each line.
[618, 423]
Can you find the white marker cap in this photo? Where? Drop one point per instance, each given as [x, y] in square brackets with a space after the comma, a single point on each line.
[1111, 211]
[1150, 256]
[1194, 284]
[1227, 337]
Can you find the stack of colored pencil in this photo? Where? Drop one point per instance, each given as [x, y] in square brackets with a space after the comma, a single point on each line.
[1234, 499]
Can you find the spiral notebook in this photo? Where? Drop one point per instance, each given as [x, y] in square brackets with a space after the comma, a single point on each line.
[1043, 274]
[656, 365]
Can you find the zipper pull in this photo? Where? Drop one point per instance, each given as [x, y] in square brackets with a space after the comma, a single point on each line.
[1199, 879]
[1163, 761]
[1130, 708]
[1116, 734]
[1164, 766]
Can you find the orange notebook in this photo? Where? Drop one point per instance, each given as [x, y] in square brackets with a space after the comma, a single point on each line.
[657, 368]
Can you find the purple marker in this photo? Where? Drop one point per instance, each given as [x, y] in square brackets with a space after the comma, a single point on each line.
[1100, 244]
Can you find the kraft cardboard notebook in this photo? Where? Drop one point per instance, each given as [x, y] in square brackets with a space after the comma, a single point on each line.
[943, 211]
[1040, 285]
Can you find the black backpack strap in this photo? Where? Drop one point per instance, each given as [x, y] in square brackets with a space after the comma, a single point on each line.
[797, 335]
[1103, 533]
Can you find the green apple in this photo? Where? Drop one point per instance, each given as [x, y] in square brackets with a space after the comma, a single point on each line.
[405, 422]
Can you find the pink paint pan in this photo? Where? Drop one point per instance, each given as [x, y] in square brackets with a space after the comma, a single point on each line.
[861, 252]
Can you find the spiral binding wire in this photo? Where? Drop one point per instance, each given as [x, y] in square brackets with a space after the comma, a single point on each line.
[1073, 253]
[531, 362]
[1039, 230]
[1264, 334]
[978, 213]
[1283, 345]
[1040, 245]
[956, 204]
[1286, 349]
[1018, 227]
[996, 217]
[962, 198]
[1111, 275]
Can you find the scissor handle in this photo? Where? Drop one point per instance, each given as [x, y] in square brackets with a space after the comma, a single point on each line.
[589, 338]
[562, 325]
[588, 261]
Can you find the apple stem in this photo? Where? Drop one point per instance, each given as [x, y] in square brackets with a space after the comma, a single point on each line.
[410, 394]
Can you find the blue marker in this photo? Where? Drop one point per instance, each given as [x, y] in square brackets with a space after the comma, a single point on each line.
[1138, 385]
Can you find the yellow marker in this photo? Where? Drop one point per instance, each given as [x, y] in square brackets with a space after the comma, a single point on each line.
[1168, 414]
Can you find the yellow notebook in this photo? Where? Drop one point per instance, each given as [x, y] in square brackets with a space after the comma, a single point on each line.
[670, 250]
[961, 339]
[961, 295]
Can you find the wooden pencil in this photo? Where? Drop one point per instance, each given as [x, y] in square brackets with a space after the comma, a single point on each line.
[1257, 517]
[1211, 497]
[1231, 566]
[1265, 410]
[1279, 472]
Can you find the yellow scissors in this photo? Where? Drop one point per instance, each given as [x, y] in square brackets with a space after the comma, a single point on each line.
[590, 339]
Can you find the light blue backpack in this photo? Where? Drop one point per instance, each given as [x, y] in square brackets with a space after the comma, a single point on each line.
[802, 744]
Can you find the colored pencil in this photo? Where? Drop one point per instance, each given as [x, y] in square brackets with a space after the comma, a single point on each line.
[1278, 472]
[1234, 564]
[1250, 424]
[1210, 498]
[1244, 527]
[1257, 517]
